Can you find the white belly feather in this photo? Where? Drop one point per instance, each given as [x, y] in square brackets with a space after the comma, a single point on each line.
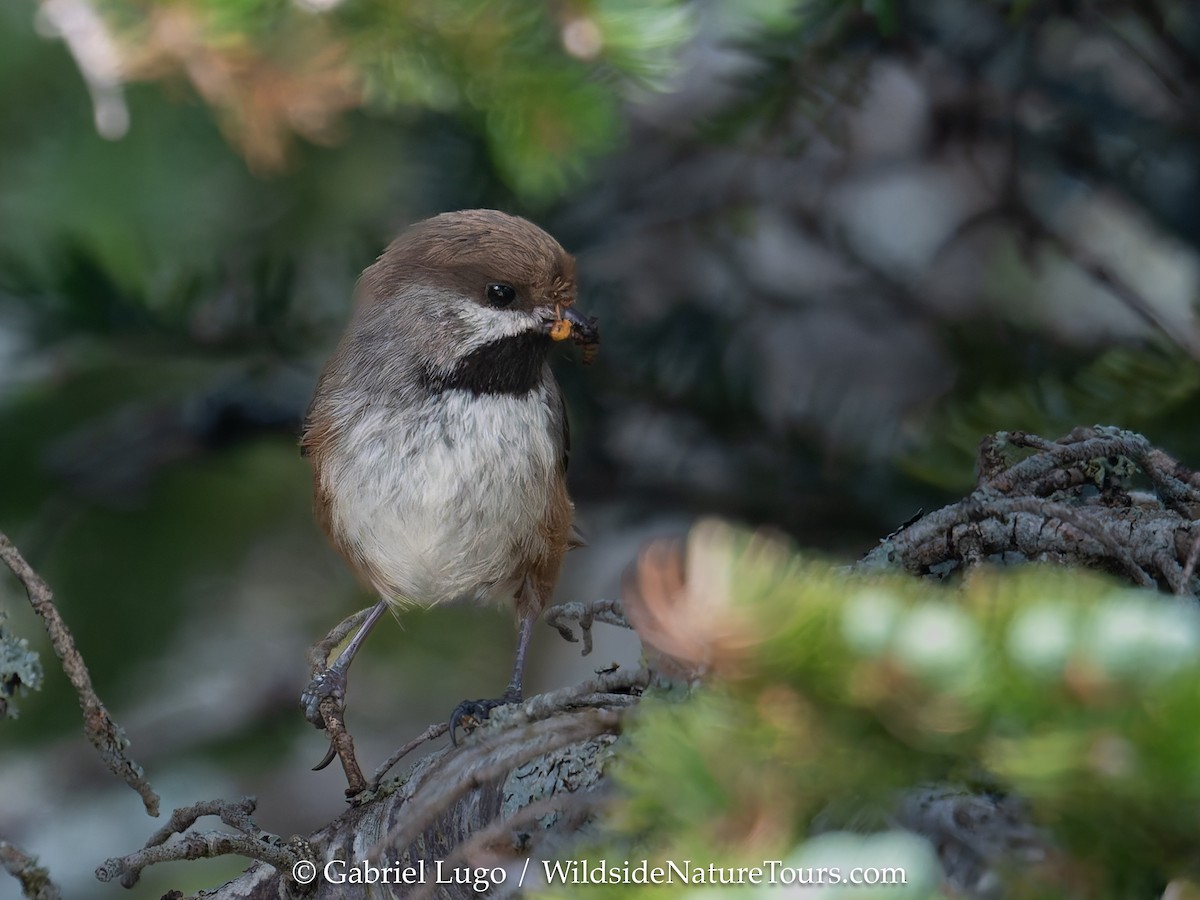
[442, 509]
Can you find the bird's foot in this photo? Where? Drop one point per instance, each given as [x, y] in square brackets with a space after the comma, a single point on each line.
[329, 683]
[470, 713]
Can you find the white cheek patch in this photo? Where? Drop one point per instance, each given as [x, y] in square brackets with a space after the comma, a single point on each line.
[484, 325]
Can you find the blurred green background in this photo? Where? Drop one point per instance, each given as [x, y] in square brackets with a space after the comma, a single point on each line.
[831, 245]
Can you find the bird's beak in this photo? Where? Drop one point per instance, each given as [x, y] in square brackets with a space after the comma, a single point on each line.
[563, 322]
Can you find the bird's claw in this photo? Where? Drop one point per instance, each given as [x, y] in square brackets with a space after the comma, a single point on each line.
[330, 756]
[470, 713]
[329, 683]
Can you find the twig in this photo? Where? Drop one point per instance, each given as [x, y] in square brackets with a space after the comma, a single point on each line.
[1171, 570]
[35, 880]
[342, 744]
[234, 813]
[1178, 89]
[606, 689]
[250, 841]
[1051, 469]
[1015, 208]
[432, 733]
[618, 681]
[105, 734]
[1177, 485]
[1126, 293]
[1157, 22]
[1034, 475]
[1189, 566]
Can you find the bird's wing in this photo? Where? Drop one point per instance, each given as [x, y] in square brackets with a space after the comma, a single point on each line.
[558, 408]
[306, 429]
[575, 538]
[311, 435]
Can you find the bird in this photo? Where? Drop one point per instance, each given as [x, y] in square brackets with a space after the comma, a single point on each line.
[438, 434]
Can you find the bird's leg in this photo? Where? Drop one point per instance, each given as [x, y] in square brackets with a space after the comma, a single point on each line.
[331, 682]
[478, 710]
[516, 684]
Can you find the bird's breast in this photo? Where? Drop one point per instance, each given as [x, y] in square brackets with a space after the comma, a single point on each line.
[444, 499]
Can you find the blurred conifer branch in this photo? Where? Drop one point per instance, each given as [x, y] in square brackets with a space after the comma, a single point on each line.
[541, 80]
[1029, 722]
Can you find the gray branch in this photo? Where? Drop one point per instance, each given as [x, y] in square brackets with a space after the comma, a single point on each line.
[35, 880]
[1072, 502]
[527, 777]
[106, 735]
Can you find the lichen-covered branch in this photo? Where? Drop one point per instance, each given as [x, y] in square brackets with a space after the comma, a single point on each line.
[105, 734]
[250, 841]
[432, 733]
[526, 776]
[1075, 501]
[610, 688]
[35, 880]
[449, 779]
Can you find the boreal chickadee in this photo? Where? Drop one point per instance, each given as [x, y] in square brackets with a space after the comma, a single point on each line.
[438, 435]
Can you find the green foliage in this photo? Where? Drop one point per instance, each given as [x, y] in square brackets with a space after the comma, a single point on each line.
[1143, 388]
[429, 104]
[503, 68]
[1078, 694]
[886, 15]
[539, 84]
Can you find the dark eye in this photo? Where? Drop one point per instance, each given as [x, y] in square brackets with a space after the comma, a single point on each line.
[500, 294]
